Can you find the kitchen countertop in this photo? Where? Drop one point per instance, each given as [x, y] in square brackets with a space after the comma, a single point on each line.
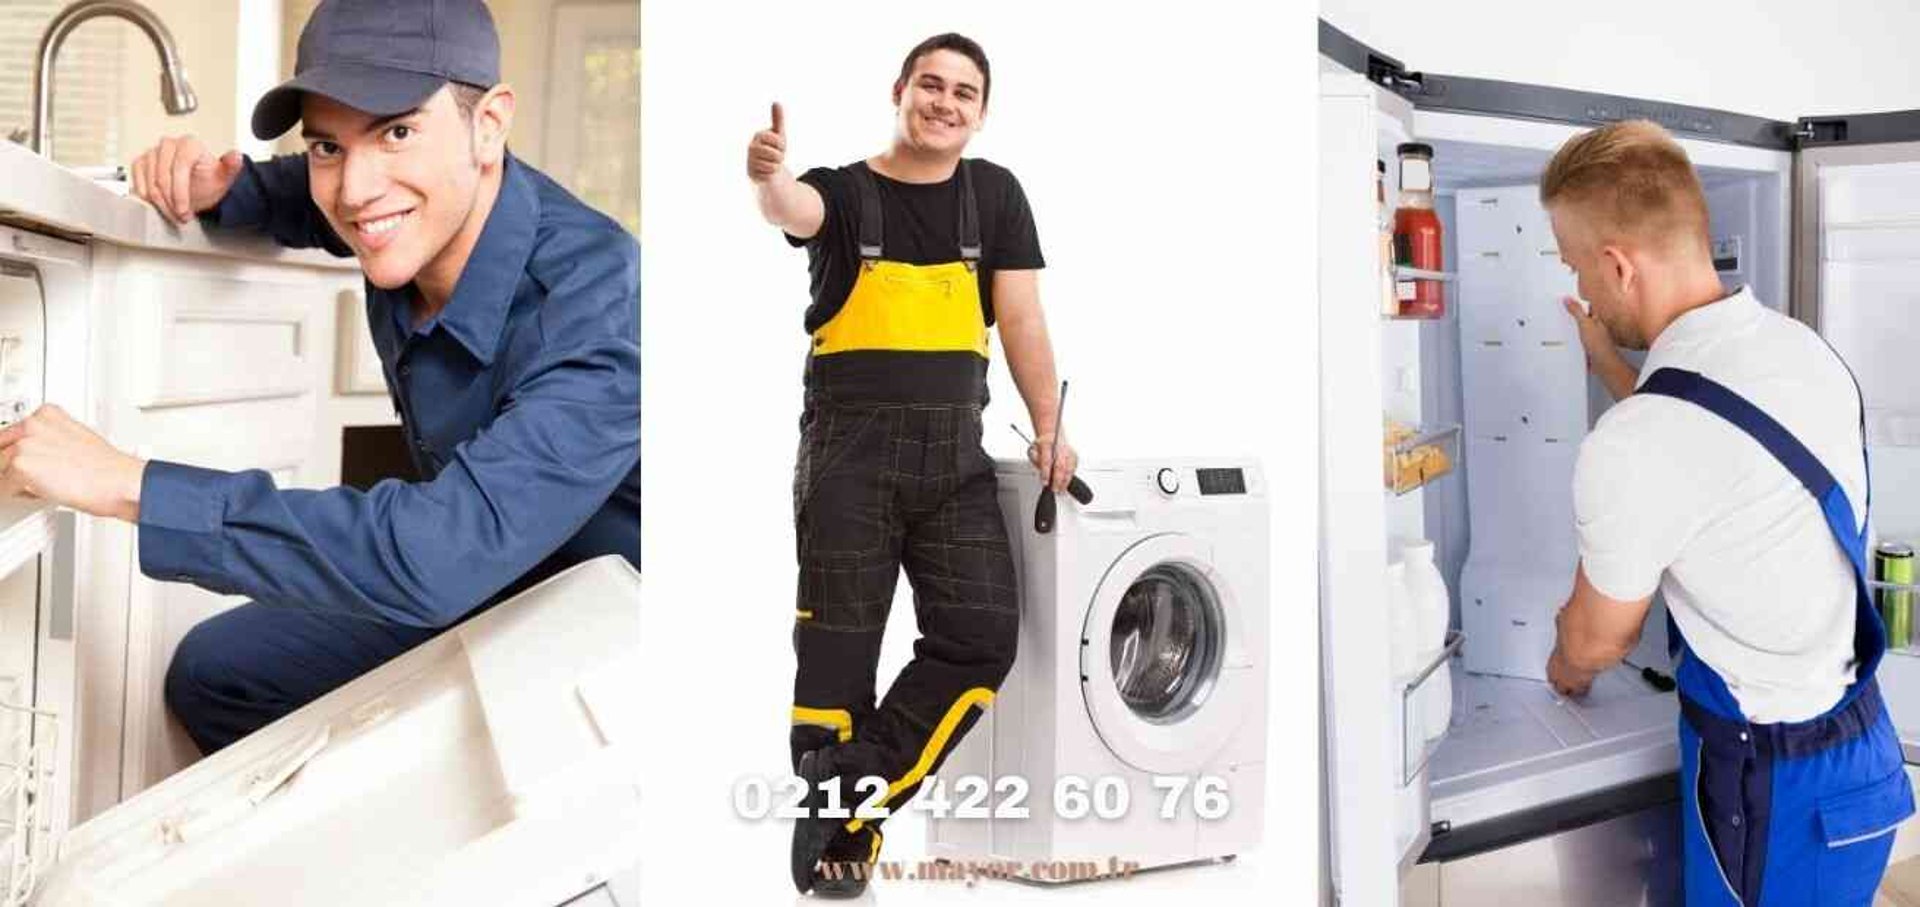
[40, 194]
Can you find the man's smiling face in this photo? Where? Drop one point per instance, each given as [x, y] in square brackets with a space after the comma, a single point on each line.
[941, 104]
[398, 189]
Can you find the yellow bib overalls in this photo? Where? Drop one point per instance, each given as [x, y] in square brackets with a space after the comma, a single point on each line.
[891, 475]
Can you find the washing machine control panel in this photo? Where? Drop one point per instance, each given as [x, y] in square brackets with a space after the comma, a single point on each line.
[1169, 481]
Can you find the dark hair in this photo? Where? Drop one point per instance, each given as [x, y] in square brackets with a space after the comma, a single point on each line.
[466, 98]
[960, 44]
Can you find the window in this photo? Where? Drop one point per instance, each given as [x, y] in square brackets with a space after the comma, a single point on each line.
[593, 107]
[86, 127]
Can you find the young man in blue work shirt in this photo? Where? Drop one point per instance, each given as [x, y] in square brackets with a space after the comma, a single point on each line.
[1732, 478]
[505, 313]
[914, 253]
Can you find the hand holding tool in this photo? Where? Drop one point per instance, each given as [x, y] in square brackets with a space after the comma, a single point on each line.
[1081, 491]
[1044, 509]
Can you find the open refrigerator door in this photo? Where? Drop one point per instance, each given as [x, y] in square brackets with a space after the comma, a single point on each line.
[1516, 762]
[1857, 249]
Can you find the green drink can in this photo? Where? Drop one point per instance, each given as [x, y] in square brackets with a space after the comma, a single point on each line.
[1893, 563]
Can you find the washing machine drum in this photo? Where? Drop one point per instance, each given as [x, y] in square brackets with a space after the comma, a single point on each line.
[1164, 666]
[1165, 643]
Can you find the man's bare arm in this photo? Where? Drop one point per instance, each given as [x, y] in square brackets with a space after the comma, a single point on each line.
[1029, 351]
[785, 202]
[1594, 633]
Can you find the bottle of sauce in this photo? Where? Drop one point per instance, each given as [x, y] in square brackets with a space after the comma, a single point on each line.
[1416, 234]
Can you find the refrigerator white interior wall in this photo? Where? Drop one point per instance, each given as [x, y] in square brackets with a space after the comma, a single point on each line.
[1366, 802]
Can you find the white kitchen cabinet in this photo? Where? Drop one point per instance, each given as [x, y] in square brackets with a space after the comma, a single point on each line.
[218, 362]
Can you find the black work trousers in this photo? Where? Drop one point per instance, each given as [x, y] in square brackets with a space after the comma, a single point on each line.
[879, 488]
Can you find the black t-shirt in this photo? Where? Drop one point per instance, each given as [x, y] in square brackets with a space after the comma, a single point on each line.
[920, 224]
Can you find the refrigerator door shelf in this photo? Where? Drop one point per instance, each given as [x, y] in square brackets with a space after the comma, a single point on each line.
[1415, 749]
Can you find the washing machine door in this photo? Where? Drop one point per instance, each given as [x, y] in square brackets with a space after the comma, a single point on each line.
[1163, 664]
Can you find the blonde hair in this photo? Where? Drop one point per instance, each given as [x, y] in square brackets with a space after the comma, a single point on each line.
[1630, 180]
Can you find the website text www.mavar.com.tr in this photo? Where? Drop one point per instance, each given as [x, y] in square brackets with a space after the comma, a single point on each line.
[971, 870]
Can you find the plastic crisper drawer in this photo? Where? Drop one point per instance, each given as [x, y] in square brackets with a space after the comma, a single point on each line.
[495, 764]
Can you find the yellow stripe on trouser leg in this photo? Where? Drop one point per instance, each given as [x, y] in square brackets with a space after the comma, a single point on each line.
[840, 720]
[921, 308]
[978, 696]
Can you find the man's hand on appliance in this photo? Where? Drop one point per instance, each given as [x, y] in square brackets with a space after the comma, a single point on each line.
[50, 456]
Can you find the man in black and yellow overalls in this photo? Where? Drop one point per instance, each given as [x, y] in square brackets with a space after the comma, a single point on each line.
[914, 254]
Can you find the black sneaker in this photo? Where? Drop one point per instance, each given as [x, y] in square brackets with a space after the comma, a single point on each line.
[810, 833]
[847, 864]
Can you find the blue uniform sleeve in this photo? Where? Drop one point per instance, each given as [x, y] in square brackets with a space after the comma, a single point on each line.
[273, 197]
[424, 554]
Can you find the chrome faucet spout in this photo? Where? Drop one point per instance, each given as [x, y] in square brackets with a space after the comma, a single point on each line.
[176, 93]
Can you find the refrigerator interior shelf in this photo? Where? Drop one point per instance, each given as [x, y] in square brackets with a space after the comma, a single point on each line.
[1404, 272]
[1425, 455]
[1415, 746]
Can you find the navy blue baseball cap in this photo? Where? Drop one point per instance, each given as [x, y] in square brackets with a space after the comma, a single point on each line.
[383, 57]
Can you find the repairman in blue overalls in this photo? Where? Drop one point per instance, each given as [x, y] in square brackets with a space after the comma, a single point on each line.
[1732, 478]
[913, 254]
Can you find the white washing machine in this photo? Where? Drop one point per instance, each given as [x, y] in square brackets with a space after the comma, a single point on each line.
[1142, 670]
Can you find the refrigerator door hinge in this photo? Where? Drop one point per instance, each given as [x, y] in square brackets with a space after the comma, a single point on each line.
[1388, 73]
[1441, 828]
[1819, 131]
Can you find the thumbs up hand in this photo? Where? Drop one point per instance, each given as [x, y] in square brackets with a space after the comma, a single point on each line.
[767, 153]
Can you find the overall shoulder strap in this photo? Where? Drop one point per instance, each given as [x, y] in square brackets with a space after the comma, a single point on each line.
[870, 224]
[969, 216]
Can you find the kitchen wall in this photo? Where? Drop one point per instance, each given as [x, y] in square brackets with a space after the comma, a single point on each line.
[1780, 59]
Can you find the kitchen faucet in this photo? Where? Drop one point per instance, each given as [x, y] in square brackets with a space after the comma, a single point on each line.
[175, 93]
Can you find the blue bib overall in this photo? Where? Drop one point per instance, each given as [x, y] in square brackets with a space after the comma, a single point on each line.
[1799, 813]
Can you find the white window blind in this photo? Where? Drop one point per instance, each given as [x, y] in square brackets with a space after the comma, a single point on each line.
[86, 128]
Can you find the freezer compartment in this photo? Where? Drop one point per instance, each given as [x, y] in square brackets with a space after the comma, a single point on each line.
[1516, 745]
[492, 764]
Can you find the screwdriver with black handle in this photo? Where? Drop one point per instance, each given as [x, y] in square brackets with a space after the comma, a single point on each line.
[1046, 508]
[1080, 490]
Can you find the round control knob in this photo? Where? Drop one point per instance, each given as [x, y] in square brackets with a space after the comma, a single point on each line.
[1168, 480]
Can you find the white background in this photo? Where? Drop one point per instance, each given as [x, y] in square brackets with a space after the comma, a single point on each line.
[1781, 59]
[1165, 153]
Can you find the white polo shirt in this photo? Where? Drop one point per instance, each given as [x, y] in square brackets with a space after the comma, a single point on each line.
[1669, 495]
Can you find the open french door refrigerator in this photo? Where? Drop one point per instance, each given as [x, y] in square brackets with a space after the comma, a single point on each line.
[1526, 796]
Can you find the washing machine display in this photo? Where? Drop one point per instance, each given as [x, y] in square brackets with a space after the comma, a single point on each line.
[1222, 481]
[1166, 643]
